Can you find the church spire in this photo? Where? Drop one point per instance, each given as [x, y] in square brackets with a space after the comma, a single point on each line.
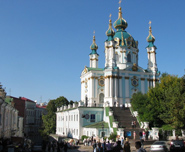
[120, 23]
[150, 38]
[94, 46]
[94, 55]
[110, 32]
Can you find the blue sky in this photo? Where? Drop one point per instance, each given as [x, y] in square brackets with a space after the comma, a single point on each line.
[45, 44]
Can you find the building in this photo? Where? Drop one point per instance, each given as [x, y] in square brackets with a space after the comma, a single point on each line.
[8, 116]
[110, 86]
[26, 108]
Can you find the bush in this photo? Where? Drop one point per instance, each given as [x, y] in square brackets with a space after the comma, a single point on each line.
[113, 136]
[178, 132]
[84, 137]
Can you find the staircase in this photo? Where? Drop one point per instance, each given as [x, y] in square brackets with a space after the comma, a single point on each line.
[124, 119]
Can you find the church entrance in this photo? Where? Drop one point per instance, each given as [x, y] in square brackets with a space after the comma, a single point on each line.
[101, 99]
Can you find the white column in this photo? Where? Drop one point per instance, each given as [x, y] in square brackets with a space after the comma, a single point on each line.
[126, 87]
[92, 80]
[116, 86]
[143, 85]
[95, 86]
[108, 86]
[111, 86]
[120, 87]
[124, 56]
[121, 56]
[89, 89]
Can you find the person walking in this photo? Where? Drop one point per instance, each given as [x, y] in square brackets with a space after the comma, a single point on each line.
[127, 146]
[94, 145]
[134, 135]
[138, 147]
[118, 147]
[122, 142]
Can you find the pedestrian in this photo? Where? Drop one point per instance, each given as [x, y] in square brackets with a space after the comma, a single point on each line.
[140, 135]
[65, 146]
[147, 133]
[122, 142]
[104, 146]
[144, 135]
[132, 124]
[127, 146]
[134, 135]
[94, 146]
[108, 146]
[118, 147]
[138, 147]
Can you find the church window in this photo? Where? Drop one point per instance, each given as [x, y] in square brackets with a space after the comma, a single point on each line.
[74, 117]
[128, 57]
[92, 117]
[66, 118]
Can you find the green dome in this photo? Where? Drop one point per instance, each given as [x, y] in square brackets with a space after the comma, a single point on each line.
[93, 45]
[150, 39]
[120, 23]
[110, 32]
[125, 39]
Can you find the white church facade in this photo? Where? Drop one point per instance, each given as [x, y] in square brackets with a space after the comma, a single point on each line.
[112, 85]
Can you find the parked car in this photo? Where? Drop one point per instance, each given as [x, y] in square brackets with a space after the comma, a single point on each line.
[37, 148]
[159, 146]
[177, 146]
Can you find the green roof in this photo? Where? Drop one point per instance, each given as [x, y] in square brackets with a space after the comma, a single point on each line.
[8, 100]
[94, 69]
[98, 125]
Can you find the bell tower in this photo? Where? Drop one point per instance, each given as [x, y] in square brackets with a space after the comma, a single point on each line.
[151, 50]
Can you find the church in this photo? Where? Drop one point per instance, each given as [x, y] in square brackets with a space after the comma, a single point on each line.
[121, 77]
[110, 86]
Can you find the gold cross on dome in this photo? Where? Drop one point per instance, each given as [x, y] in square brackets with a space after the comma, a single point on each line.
[120, 3]
[110, 16]
[94, 32]
[150, 23]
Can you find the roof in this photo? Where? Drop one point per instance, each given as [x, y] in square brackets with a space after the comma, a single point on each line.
[98, 125]
[38, 106]
[95, 69]
[26, 99]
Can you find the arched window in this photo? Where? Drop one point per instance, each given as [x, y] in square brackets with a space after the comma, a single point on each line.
[128, 57]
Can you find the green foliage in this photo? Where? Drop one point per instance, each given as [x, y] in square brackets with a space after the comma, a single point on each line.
[84, 137]
[113, 136]
[49, 120]
[164, 104]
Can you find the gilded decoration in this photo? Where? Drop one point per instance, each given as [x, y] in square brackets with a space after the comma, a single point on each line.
[117, 40]
[101, 81]
[126, 77]
[142, 78]
[85, 70]
[134, 67]
[134, 81]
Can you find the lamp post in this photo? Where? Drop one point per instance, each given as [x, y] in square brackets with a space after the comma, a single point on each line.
[102, 130]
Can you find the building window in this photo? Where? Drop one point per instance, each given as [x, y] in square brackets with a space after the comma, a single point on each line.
[69, 118]
[92, 117]
[128, 57]
[66, 118]
[74, 117]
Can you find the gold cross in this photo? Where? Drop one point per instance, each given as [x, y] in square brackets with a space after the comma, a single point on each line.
[150, 23]
[94, 33]
[120, 3]
[110, 16]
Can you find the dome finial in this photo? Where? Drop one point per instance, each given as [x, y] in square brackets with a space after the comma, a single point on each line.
[150, 38]
[94, 46]
[120, 3]
[110, 31]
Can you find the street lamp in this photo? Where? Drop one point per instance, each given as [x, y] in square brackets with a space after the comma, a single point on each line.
[102, 130]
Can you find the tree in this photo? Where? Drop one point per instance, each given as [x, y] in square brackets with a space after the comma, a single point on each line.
[164, 104]
[49, 120]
